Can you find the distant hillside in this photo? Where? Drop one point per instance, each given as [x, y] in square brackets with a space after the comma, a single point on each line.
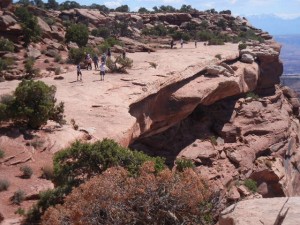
[275, 25]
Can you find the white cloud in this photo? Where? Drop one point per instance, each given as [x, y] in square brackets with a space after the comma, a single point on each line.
[288, 16]
[209, 4]
[113, 4]
[232, 1]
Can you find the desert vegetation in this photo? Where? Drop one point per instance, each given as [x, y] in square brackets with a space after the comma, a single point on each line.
[82, 161]
[115, 197]
[29, 23]
[32, 103]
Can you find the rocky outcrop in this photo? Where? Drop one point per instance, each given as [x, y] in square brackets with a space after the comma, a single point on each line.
[5, 3]
[269, 211]
[271, 67]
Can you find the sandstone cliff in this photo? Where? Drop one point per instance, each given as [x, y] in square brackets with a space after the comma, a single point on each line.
[192, 104]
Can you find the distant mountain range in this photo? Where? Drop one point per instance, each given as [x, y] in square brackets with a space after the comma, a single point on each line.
[275, 25]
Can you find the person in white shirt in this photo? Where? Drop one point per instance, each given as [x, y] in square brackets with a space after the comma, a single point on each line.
[102, 71]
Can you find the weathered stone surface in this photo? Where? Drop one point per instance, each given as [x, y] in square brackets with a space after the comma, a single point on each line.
[262, 211]
[43, 25]
[33, 52]
[135, 45]
[247, 58]
[215, 70]
[201, 150]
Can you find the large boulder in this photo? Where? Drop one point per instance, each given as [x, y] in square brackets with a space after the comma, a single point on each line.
[247, 58]
[262, 211]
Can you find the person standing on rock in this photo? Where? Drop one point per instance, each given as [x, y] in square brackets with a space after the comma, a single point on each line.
[172, 43]
[79, 72]
[103, 59]
[181, 42]
[102, 71]
[195, 43]
[124, 54]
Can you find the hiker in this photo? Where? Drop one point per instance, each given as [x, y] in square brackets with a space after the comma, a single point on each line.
[79, 72]
[102, 71]
[95, 60]
[108, 53]
[124, 54]
[195, 43]
[172, 43]
[181, 42]
[103, 58]
[88, 61]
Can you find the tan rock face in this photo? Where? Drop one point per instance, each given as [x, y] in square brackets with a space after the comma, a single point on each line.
[262, 211]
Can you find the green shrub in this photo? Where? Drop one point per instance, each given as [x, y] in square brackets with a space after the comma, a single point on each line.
[222, 24]
[153, 64]
[77, 33]
[158, 30]
[77, 55]
[49, 21]
[57, 57]
[252, 95]
[204, 35]
[34, 104]
[108, 43]
[27, 171]
[47, 172]
[124, 64]
[46, 61]
[218, 56]
[29, 67]
[2, 154]
[249, 35]
[213, 140]
[178, 35]
[216, 41]
[5, 64]
[20, 211]
[57, 71]
[4, 184]
[29, 23]
[242, 46]
[183, 163]
[83, 160]
[18, 197]
[6, 45]
[251, 185]
[103, 32]
[37, 143]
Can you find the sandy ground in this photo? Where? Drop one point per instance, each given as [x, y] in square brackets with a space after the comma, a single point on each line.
[101, 107]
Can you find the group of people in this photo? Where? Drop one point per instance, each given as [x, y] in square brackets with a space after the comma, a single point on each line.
[95, 60]
[181, 43]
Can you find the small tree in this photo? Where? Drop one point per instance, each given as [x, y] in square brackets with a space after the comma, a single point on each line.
[4, 184]
[27, 171]
[122, 8]
[143, 10]
[29, 23]
[34, 104]
[18, 197]
[123, 64]
[78, 33]
[117, 198]
[6, 45]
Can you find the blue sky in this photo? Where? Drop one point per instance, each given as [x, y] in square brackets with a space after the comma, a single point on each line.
[282, 8]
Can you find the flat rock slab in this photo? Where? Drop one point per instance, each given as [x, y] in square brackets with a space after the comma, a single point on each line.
[262, 211]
